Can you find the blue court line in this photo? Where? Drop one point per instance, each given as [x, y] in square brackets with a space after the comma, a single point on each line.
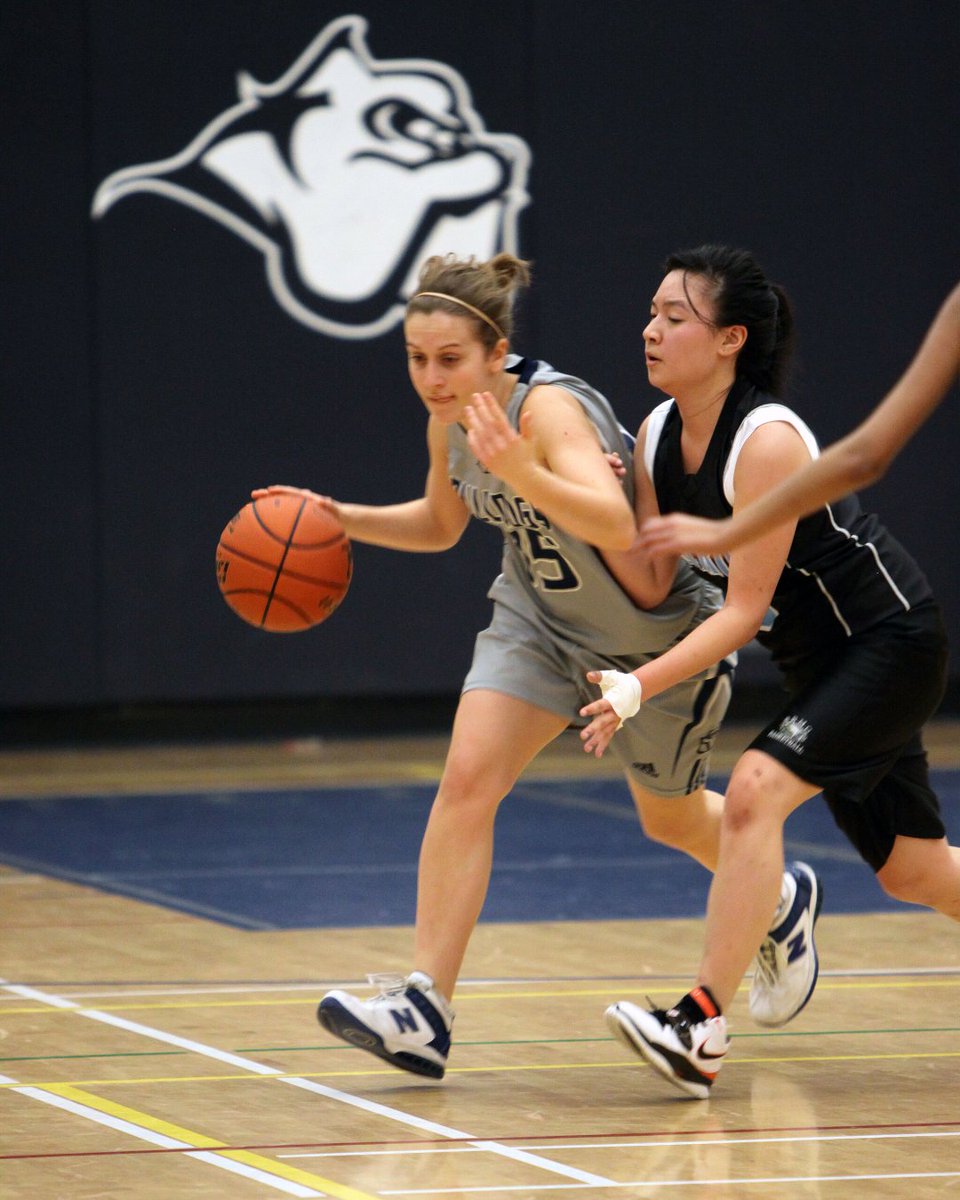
[340, 857]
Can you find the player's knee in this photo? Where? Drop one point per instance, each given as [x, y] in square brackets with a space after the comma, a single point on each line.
[910, 885]
[760, 793]
[469, 785]
[745, 804]
[921, 871]
[901, 887]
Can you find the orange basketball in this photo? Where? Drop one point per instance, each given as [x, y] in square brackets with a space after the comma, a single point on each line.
[284, 563]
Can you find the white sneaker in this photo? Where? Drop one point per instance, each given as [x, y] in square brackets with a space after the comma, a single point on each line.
[689, 1056]
[408, 1023]
[787, 965]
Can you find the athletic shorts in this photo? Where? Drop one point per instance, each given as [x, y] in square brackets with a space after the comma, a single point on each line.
[665, 748]
[852, 728]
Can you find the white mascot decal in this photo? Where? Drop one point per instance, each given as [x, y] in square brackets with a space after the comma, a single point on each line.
[345, 174]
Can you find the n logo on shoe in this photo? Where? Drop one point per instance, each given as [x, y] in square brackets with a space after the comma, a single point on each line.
[796, 947]
[405, 1019]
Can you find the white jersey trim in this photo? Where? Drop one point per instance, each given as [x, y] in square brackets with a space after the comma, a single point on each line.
[763, 415]
[876, 558]
[654, 430]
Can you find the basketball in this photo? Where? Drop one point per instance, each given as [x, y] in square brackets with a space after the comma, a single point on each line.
[284, 563]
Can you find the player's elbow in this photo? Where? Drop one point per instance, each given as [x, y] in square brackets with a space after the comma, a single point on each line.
[749, 620]
[620, 535]
[448, 534]
[446, 538]
[617, 543]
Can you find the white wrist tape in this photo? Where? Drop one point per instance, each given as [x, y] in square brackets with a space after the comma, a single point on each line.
[623, 691]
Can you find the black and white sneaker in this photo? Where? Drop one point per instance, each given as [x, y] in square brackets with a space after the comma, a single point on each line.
[687, 1054]
[787, 965]
[408, 1023]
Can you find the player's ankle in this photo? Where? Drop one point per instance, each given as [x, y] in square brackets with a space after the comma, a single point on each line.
[699, 1004]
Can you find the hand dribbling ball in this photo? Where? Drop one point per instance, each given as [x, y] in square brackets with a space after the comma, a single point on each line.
[284, 563]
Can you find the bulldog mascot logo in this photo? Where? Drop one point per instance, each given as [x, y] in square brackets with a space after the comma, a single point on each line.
[345, 174]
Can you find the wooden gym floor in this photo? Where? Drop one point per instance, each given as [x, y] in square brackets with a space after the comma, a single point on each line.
[147, 1051]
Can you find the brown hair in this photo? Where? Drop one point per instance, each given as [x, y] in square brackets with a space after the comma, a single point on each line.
[483, 292]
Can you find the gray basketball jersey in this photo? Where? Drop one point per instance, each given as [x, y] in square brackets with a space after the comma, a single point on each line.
[561, 578]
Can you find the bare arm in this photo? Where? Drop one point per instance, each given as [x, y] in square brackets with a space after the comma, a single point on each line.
[434, 521]
[854, 462]
[646, 579]
[556, 463]
[771, 454]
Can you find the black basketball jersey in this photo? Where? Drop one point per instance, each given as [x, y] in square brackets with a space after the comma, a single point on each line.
[844, 573]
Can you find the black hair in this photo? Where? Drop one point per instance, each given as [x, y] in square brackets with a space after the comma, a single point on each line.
[742, 295]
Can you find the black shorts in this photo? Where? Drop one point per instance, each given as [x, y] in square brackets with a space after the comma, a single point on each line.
[852, 728]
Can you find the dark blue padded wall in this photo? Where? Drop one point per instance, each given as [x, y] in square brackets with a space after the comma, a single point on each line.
[156, 366]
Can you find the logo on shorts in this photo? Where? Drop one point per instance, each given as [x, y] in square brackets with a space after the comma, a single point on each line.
[792, 731]
[705, 744]
[647, 769]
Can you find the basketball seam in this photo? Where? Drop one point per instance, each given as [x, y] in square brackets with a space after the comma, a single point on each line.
[299, 576]
[283, 559]
[270, 592]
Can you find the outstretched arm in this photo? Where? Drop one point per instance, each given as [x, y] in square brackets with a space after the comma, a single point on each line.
[854, 462]
[434, 521]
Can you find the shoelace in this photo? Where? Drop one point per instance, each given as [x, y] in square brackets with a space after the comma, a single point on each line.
[767, 962]
[676, 1020]
[390, 987]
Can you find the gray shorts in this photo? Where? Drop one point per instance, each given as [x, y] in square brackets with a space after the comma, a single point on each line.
[665, 748]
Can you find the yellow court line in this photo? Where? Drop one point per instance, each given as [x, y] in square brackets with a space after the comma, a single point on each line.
[462, 997]
[201, 1142]
[499, 1069]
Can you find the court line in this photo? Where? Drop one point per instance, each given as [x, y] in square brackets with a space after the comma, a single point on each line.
[103, 883]
[250, 1065]
[607, 1145]
[663, 1183]
[742, 1141]
[303, 1078]
[189, 987]
[306, 1084]
[550, 1141]
[872, 984]
[288, 1179]
[277, 1175]
[335, 1047]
